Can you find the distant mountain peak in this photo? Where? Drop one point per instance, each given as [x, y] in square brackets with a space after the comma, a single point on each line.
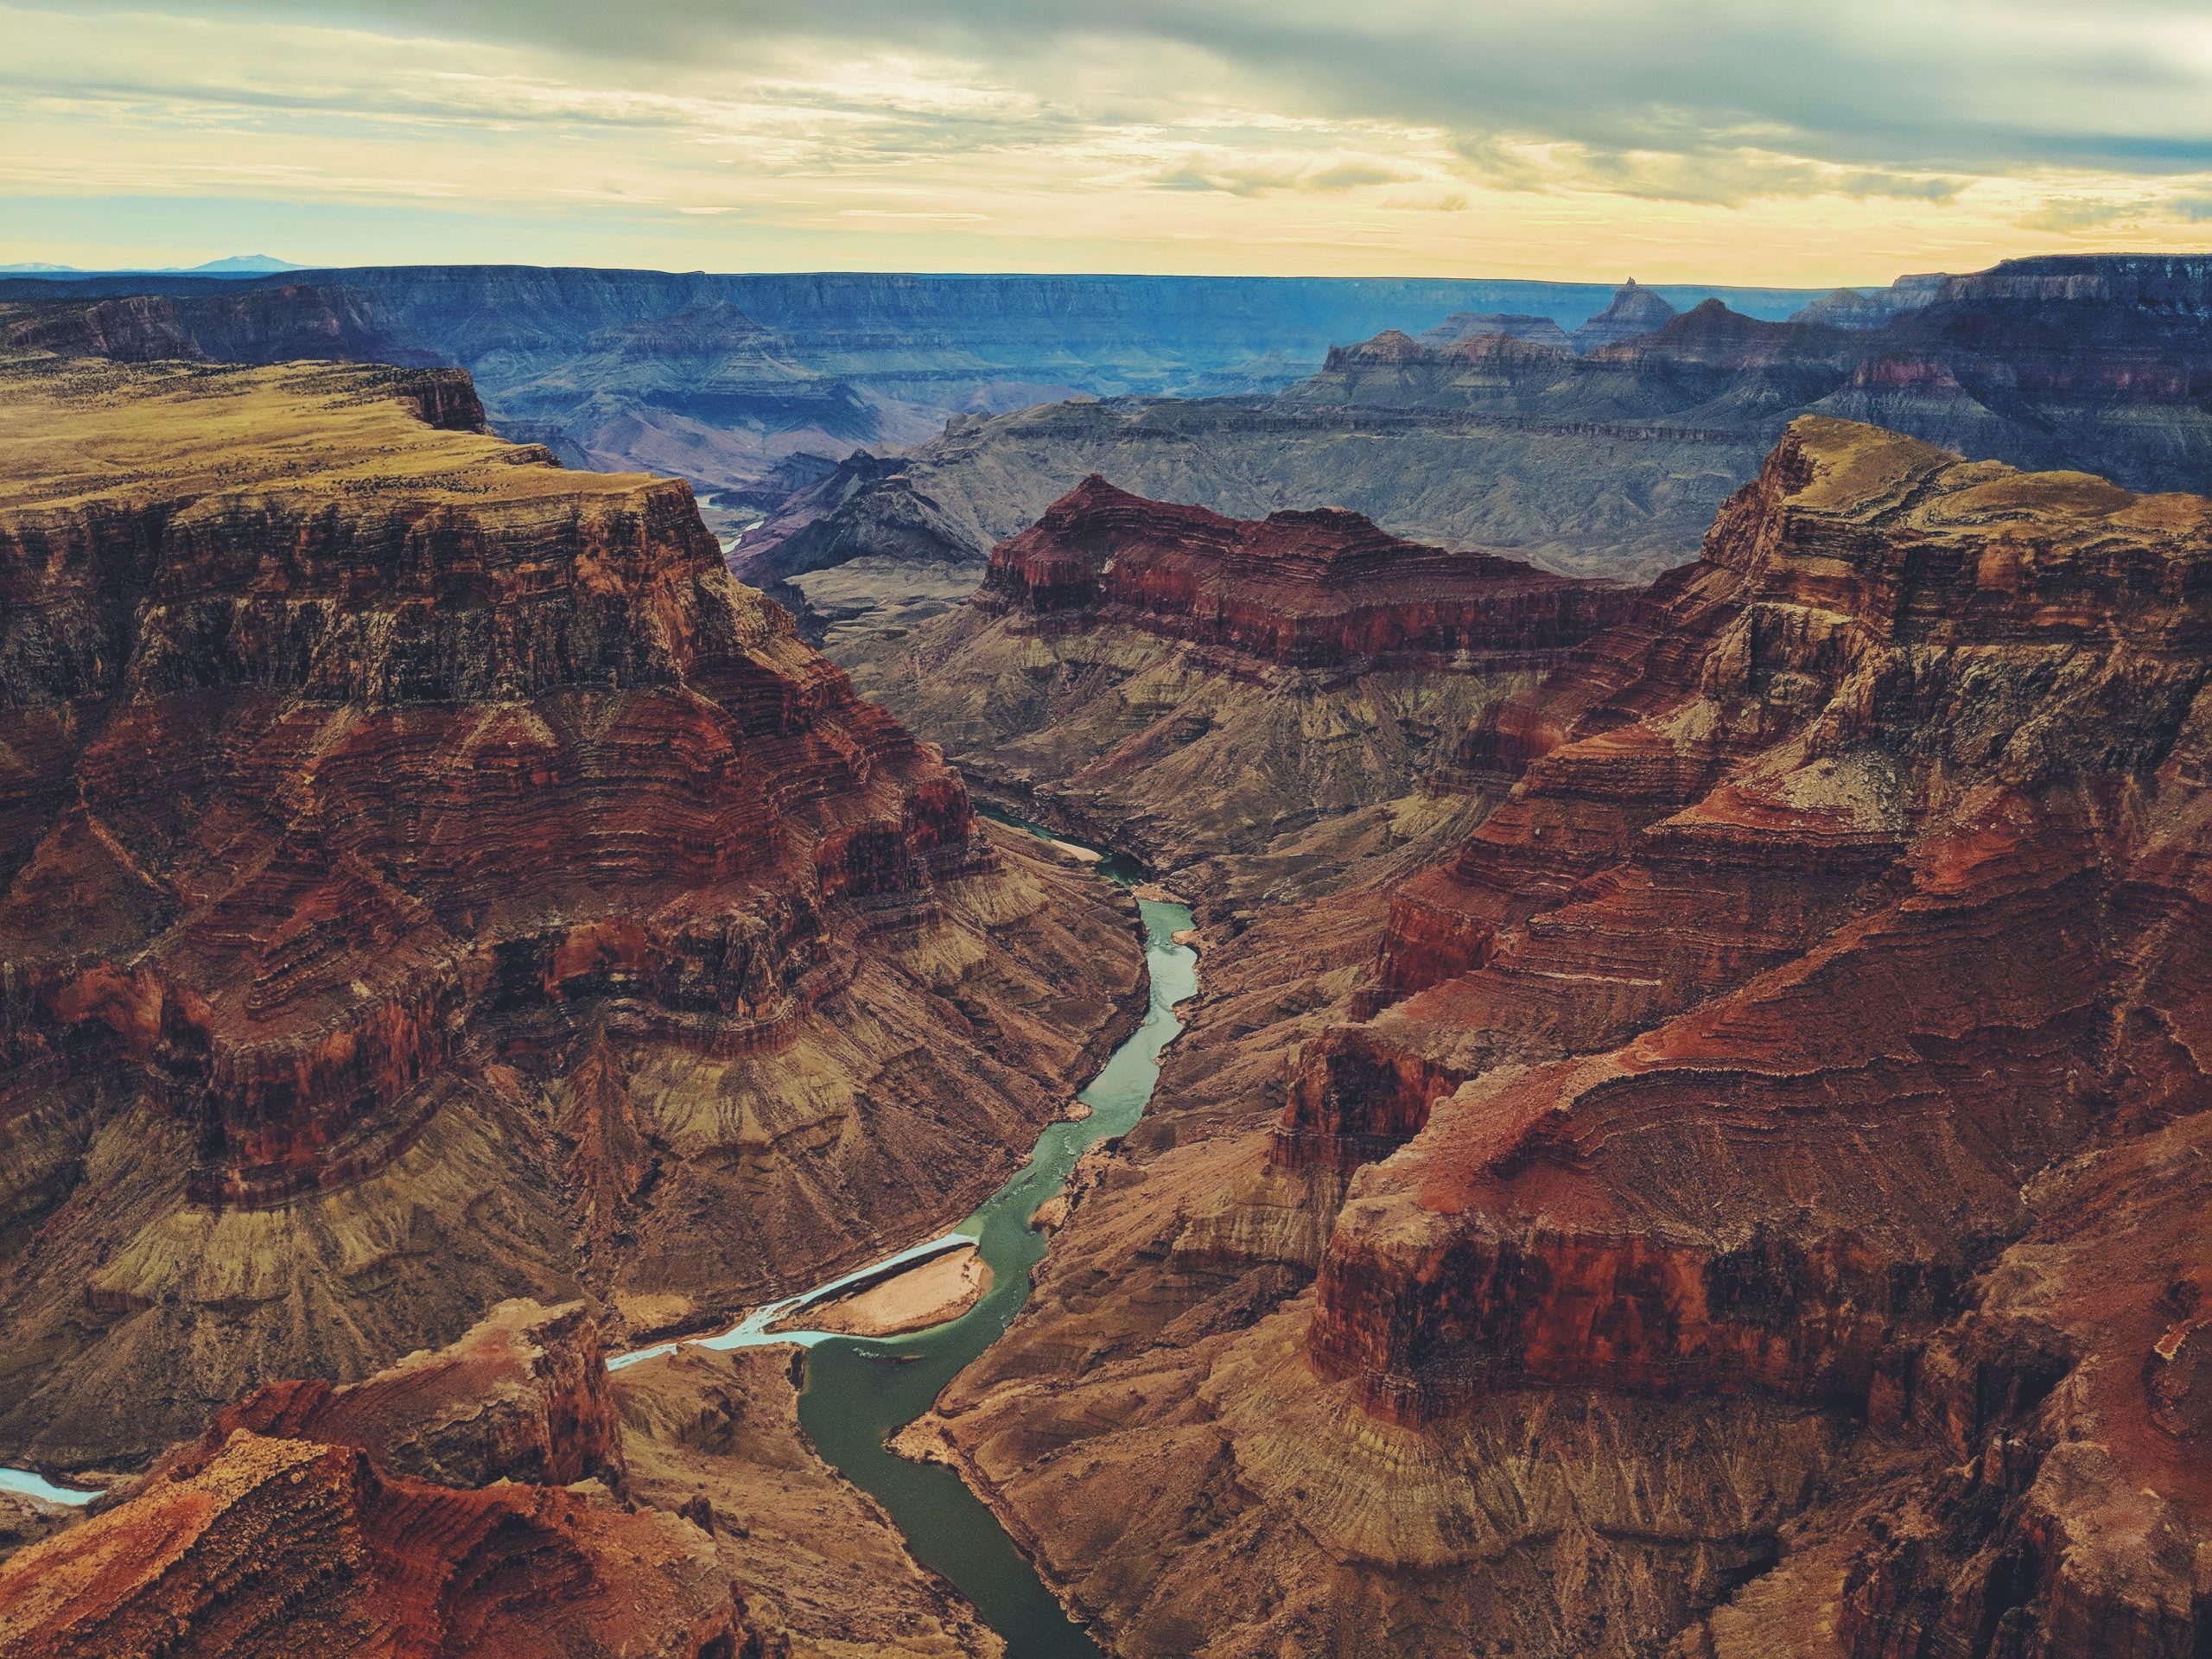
[245, 262]
[1633, 311]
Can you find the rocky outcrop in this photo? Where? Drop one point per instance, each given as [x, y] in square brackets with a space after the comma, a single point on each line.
[1196, 687]
[1745, 1210]
[1321, 589]
[1634, 311]
[279, 1547]
[431, 879]
[525, 1395]
[451, 1504]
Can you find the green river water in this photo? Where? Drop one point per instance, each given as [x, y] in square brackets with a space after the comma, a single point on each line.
[860, 1391]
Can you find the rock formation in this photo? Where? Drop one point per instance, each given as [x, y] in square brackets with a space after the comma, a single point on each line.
[1754, 1200]
[420, 1511]
[281, 1547]
[1634, 311]
[430, 878]
[1462, 326]
[1852, 308]
[506, 1495]
[1184, 685]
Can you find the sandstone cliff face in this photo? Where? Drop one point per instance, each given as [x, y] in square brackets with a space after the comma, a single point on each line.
[431, 878]
[1265, 695]
[1751, 1189]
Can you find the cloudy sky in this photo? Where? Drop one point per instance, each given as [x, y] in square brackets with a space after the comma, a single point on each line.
[1710, 140]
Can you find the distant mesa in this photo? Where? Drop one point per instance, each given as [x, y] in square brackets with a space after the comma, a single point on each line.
[1318, 588]
[1474, 325]
[1852, 307]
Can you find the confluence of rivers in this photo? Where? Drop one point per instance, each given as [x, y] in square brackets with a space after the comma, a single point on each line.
[860, 1391]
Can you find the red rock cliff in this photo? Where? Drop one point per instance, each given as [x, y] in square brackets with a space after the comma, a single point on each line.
[1852, 881]
[1316, 588]
[340, 749]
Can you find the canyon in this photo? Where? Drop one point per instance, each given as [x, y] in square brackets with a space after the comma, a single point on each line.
[1607, 453]
[1745, 1197]
[431, 878]
[1695, 1136]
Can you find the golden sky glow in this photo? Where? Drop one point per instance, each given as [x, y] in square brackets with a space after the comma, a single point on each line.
[1691, 142]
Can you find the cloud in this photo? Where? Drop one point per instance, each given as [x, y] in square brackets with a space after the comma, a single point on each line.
[1259, 175]
[1196, 130]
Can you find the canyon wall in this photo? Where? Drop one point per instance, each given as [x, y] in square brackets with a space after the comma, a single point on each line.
[430, 878]
[1744, 1201]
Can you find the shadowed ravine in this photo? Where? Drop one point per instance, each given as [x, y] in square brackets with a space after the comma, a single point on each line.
[860, 1391]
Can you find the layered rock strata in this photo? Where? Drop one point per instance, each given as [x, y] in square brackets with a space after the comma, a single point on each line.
[431, 878]
[465, 1502]
[1750, 1203]
[1189, 686]
[506, 1495]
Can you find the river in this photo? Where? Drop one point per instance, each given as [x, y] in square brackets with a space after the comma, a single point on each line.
[859, 1392]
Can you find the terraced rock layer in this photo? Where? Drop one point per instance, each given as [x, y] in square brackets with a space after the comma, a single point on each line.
[430, 878]
[1743, 1206]
[506, 1495]
[1267, 694]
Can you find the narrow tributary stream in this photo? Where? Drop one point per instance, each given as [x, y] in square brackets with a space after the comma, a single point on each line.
[860, 1391]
